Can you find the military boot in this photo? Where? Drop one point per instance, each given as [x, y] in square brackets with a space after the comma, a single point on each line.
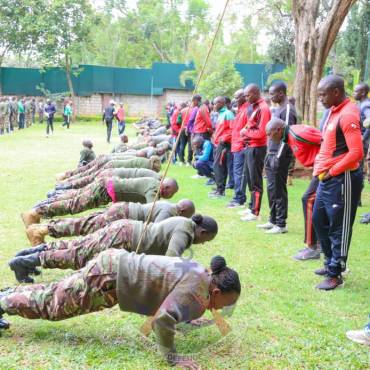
[4, 324]
[31, 217]
[27, 251]
[23, 266]
[36, 234]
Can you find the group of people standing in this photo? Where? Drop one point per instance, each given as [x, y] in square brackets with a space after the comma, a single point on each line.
[23, 112]
[113, 112]
[256, 136]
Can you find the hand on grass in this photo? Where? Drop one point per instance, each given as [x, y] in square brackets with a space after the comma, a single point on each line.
[187, 364]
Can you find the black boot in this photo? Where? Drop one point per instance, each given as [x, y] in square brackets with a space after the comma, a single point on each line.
[23, 266]
[27, 251]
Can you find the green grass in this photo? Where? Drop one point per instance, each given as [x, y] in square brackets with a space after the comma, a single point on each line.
[280, 322]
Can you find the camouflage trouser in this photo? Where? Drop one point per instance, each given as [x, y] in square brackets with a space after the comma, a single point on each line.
[88, 224]
[90, 166]
[86, 180]
[91, 197]
[88, 290]
[291, 167]
[2, 124]
[75, 253]
[28, 119]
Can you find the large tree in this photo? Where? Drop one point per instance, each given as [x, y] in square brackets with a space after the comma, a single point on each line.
[317, 23]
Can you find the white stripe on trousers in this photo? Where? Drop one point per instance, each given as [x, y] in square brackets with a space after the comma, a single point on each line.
[347, 213]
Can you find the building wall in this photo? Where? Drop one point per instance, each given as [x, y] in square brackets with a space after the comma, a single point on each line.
[135, 105]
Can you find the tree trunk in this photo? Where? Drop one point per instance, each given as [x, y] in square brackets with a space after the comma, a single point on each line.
[313, 41]
[68, 65]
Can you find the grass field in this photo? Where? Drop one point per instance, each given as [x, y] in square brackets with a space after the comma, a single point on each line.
[281, 321]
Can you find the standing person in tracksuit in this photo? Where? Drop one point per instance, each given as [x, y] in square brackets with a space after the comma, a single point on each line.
[108, 117]
[183, 120]
[277, 163]
[254, 133]
[222, 141]
[197, 101]
[237, 149]
[338, 168]
[203, 123]
[50, 111]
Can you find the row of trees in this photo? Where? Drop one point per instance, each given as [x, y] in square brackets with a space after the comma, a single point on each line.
[298, 33]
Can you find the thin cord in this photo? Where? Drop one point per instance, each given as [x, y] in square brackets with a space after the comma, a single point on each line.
[183, 121]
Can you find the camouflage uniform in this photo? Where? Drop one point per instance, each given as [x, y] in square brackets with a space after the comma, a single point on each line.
[88, 290]
[120, 148]
[86, 156]
[106, 162]
[123, 173]
[13, 114]
[28, 112]
[75, 253]
[3, 116]
[119, 211]
[92, 196]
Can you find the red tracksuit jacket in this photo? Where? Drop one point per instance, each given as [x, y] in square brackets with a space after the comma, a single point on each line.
[203, 123]
[341, 149]
[241, 120]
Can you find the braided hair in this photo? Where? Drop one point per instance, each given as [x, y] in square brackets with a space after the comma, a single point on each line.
[226, 279]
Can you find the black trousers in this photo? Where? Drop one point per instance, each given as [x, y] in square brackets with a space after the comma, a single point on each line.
[50, 124]
[220, 166]
[254, 159]
[185, 140]
[109, 125]
[333, 216]
[277, 176]
[308, 202]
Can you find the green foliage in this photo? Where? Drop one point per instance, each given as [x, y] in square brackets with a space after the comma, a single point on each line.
[280, 321]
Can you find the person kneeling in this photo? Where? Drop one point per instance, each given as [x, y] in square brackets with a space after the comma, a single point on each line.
[204, 158]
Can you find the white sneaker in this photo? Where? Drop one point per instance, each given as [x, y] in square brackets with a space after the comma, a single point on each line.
[266, 226]
[245, 212]
[188, 164]
[277, 230]
[196, 177]
[249, 217]
[359, 336]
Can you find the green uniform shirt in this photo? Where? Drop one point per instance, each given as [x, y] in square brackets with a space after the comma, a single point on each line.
[170, 237]
[141, 190]
[135, 162]
[120, 148]
[173, 290]
[162, 210]
[87, 155]
[132, 173]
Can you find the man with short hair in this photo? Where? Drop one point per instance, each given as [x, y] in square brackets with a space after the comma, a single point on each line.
[196, 103]
[66, 227]
[13, 113]
[108, 116]
[203, 123]
[21, 113]
[203, 150]
[254, 133]
[87, 155]
[222, 141]
[237, 150]
[102, 192]
[338, 168]
[50, 111]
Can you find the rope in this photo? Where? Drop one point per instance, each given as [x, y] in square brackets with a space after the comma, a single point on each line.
[184, 120]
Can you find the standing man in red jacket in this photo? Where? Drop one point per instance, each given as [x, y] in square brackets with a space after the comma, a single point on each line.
[237, 149]
[222, 142]
[338, 168]
[203, 123]
[254, 133]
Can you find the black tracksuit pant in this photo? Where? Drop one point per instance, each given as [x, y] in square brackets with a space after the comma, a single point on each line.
[220, 165]
[254, 159]
[277, 165]
[333, 216]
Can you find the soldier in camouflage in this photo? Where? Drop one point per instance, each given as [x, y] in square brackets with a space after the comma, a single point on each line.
[3, 115]
[171, 290]
[122, 146]
[170, 237]
[67, 227]
[102, 192]
[87, 155]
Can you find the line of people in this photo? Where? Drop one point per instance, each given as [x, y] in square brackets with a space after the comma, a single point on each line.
[256, 136]
[117, 258]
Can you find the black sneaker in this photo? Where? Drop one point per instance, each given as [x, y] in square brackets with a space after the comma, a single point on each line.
[216, 194]
[322, 272]
[331, 283]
